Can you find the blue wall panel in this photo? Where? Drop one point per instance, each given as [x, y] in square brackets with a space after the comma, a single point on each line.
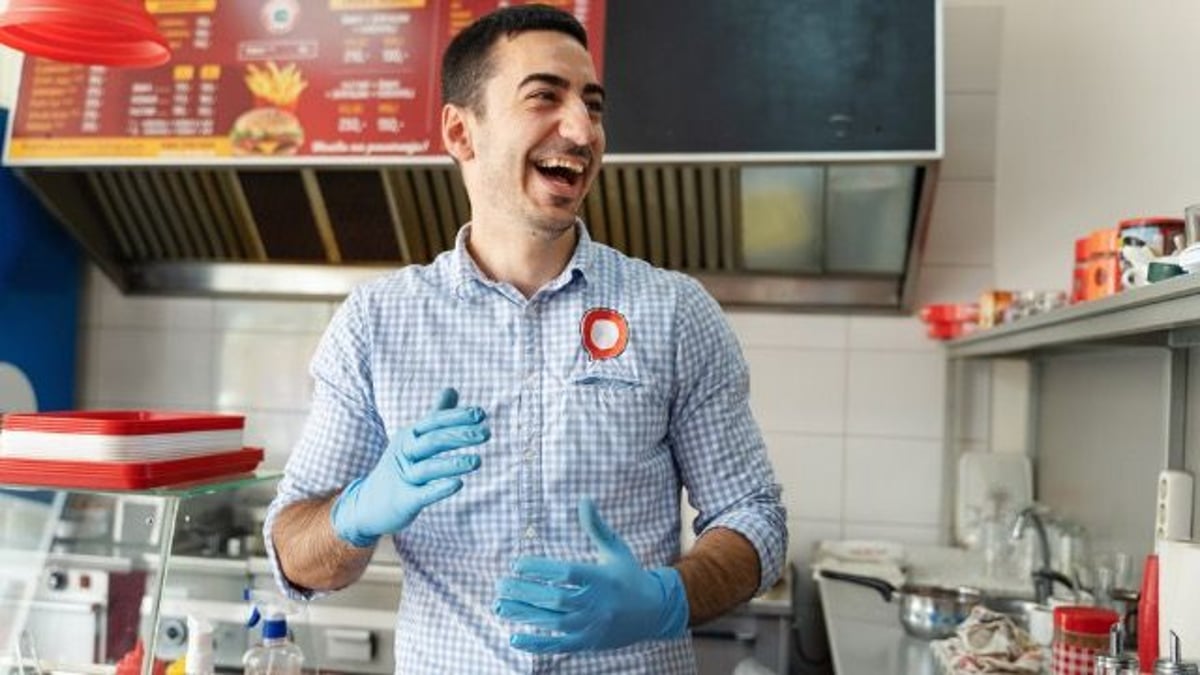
[40, 279]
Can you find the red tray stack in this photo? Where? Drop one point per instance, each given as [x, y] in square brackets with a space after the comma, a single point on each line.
[122, 449]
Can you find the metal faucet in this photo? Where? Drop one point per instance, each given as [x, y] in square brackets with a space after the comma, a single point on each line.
[1044, 578]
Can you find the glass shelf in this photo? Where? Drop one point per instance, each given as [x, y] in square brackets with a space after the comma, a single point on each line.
[95, 565]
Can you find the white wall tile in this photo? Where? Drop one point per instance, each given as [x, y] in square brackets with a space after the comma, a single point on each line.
[798, 390]
[972, 38]
[275, 432]
[896, 394]
[970, 137]
[157, 369]
[264, 371]
[975, 401]
[810, 470]
[267, 316]
[94, 288]
[803, 536]
[961, 229]
[117, 310]
[905, 534]
[891, 481]
[942, 283]
[757, 329]
[891, 333]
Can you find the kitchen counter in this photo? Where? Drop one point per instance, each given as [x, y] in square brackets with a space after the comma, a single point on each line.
[865, 635]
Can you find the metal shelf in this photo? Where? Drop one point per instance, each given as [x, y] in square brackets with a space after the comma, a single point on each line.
[1160, 313]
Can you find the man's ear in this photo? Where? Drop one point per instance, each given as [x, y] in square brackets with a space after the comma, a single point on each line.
[456, 134]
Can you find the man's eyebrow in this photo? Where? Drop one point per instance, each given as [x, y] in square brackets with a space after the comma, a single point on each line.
[559, 83]
[594, 89]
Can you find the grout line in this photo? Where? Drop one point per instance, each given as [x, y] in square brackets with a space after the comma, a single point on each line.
[845, 448]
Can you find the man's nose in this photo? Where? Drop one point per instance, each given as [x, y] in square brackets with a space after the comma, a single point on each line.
[577, 124]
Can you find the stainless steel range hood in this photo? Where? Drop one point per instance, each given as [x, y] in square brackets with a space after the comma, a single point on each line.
[840, 237]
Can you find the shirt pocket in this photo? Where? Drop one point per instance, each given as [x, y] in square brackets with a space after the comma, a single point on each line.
[612, 421]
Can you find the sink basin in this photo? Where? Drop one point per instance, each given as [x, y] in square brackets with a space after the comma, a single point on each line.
[1016, 608]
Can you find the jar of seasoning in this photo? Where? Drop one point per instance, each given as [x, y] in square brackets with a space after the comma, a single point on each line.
[1174, 664]
[1116, 661]
[1080, 633]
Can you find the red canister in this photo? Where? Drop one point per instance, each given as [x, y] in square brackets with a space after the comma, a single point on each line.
[1104, 265]
[1079, 277]
[1080, 633]
[1161, 234]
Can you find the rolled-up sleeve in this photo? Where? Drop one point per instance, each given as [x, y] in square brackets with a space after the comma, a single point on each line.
[343, 436]
[715, 440]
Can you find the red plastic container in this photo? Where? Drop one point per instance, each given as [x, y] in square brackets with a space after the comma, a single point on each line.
[128, 475]
[121, 422]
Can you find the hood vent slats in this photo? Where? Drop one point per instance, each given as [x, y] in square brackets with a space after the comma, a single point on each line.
[155, 230]
[283, 216]
[355, 201]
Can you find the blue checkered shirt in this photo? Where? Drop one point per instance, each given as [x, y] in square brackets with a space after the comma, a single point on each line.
[670, 411]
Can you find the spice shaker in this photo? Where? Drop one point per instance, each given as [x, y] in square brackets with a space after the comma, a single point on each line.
[1174, 663]
[1117, 661]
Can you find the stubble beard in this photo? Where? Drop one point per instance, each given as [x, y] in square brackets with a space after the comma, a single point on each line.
[549, 228]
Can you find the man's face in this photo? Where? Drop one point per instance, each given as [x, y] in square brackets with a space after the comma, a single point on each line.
[537, 146]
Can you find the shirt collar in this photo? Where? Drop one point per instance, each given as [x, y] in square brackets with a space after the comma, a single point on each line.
[467, 279]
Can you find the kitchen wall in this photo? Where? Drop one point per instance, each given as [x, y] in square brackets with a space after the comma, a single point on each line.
[1081, 147]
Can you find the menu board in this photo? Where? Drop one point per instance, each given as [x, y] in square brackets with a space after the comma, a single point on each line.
[261, 82]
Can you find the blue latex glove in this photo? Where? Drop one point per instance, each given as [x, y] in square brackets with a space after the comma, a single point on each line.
[410, 475]
[605, 606]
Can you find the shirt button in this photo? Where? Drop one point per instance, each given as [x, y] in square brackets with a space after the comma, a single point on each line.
[530, 532]
[529, 454]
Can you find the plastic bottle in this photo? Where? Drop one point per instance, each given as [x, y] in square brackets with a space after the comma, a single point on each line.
[199, 657]
[277, 655]
[1147, 627]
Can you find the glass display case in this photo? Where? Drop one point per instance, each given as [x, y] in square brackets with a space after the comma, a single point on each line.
[99, 581]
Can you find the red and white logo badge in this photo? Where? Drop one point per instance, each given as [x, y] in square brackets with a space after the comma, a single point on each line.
[605, 333]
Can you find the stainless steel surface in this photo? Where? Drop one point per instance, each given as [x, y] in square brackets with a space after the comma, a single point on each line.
[1147, 315]
[864, 636]
[1043, 579]
[1015, 608]
[210, 231]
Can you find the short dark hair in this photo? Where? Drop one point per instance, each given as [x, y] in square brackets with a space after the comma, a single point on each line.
[467, 63]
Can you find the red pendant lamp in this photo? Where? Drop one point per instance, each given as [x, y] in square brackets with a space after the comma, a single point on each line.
[119, 33]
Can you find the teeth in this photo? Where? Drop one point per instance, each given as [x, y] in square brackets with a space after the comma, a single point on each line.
[561, 163]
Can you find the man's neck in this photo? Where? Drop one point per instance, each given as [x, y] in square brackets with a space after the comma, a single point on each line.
[519, 255]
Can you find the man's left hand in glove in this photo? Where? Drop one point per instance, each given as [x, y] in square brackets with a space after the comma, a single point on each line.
[592, 606]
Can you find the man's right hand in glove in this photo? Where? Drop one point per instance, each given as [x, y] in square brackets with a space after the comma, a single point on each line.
[411, 474]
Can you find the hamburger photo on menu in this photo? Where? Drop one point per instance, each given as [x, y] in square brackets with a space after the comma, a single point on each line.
[271, 127]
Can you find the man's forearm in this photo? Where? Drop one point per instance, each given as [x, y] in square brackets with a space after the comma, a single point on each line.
[310, 553]
[720, 572]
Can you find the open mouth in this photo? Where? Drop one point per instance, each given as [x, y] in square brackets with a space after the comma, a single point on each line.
[564, 171]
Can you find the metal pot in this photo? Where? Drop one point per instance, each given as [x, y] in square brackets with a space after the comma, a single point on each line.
[926, 612]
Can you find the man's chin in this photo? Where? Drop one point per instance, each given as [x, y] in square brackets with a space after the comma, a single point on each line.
[554, 226]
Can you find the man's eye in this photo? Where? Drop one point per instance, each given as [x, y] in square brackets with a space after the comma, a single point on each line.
[544, 95]
[596, 107]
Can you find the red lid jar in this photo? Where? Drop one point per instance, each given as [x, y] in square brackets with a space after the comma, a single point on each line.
[1080, 633]
[1159, 233]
